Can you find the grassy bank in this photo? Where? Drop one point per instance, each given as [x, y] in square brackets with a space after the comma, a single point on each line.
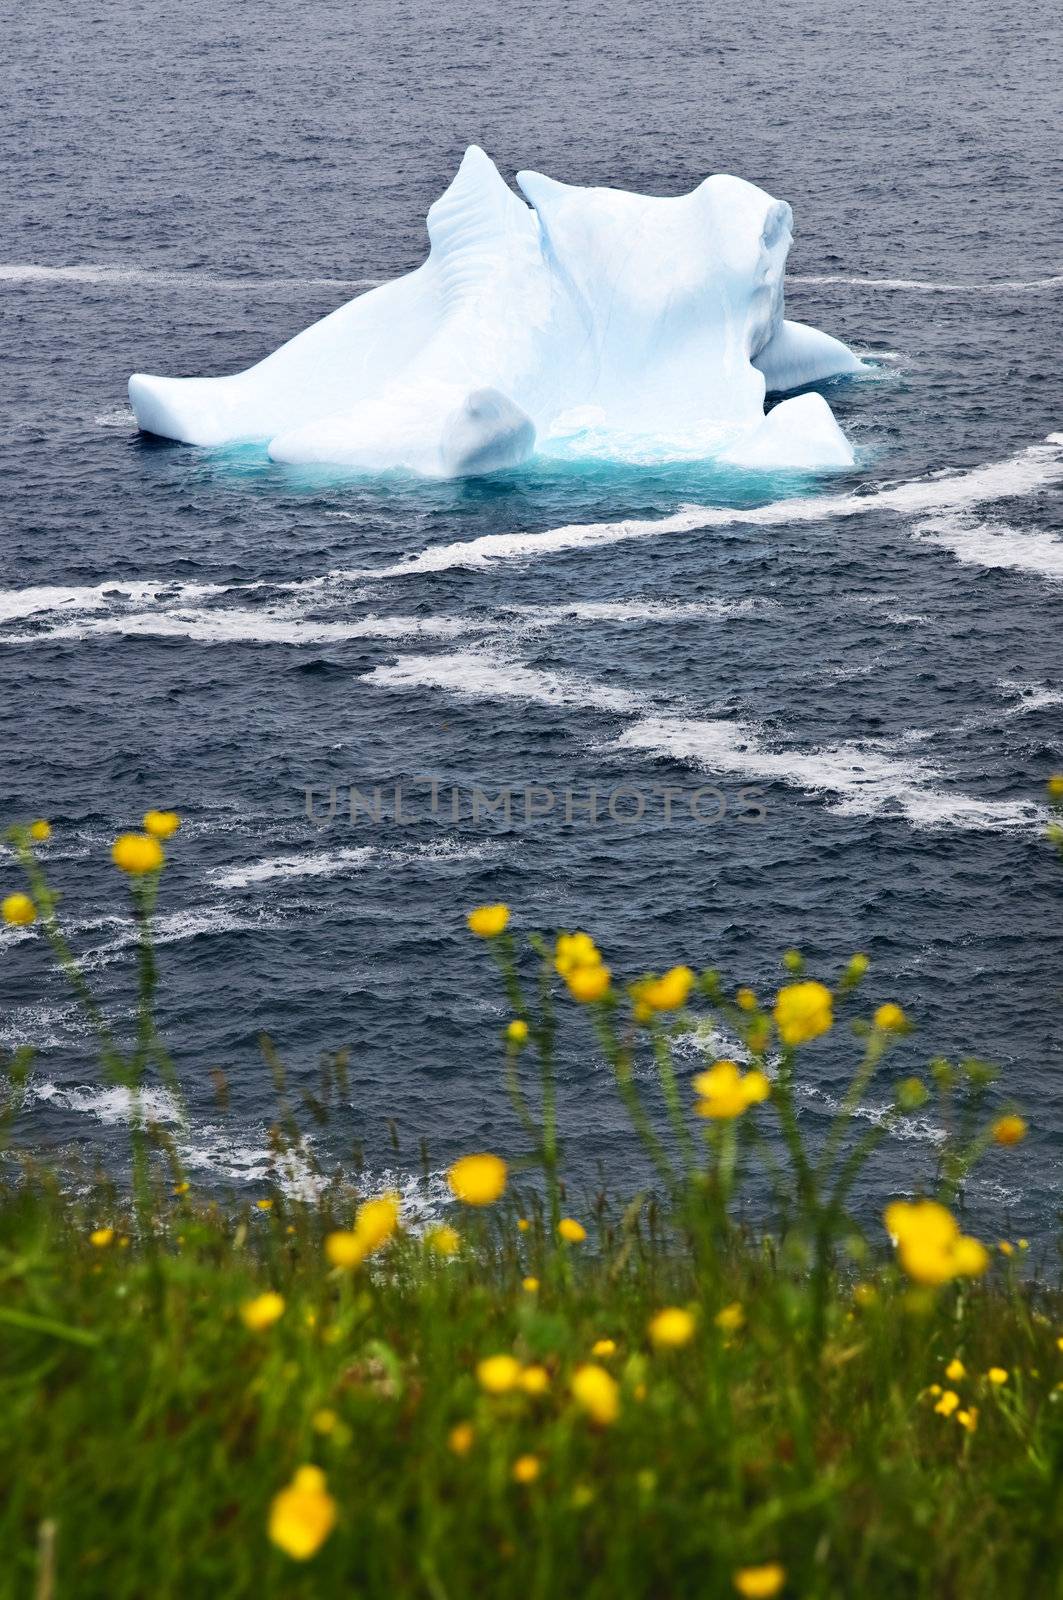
[542, 1394]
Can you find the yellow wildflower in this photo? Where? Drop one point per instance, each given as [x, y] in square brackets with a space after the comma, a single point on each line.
[19, 910]
[948, 1403]
[803, 1011]
[760, 1583]
[182, 1187]
[161, 823]
[671, 1328]
[890, 1018]
[303, 1515]
[597, 1393]
[746, 1000]
[523, 1224]
[263, 1311]
[1055, 786]
[588, 984]
[603, 1347]
[955, 1372]
[530, 1284]
[731, 1318]
[478, 1180]
[444, 1241]
[968, 1419]
[535, 1380]
[324, 1421]
[264, 1205]
[101, 1237]
[40, 830]
[460, 1438]
[517, 1032]
[574, 950]
[997, 1375]
[857, 965]
[1006, 1247]
[724, 1092]
[137, 853]
[930, 1246]
[1009, 1130]
[667, 993]
[865, 1294]
[344, 1249]
[498, 1374]
[571, 1231]
[793, 960]
[487, 922]
[525, 1469]
[376, 1220]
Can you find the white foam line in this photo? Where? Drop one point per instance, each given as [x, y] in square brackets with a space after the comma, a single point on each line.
[931, 286]
[865, 779]
[16, 603]
[1021, 474]
[641, 611]
[234, 626]
[994, 545]
[108, 274]
[342, 863]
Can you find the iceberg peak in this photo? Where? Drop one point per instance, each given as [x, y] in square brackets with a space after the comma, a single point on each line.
[585, 321]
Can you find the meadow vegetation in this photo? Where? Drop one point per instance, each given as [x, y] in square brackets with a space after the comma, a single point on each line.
[315, 1391]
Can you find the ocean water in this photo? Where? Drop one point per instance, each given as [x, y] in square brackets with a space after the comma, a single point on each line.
[876, 656]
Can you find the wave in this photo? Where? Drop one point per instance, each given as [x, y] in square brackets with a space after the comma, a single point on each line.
[995, 545]
[479, 675]
[866, 779]
[118, 275]
[931, 285]
[230, 625]
[1031, 697]
[17, 603]
[1031, 469]
[642, 611]
[340, 863]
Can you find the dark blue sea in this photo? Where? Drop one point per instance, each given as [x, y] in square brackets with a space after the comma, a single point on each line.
[186, 186]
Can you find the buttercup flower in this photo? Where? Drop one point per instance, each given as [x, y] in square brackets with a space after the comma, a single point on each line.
[303, 1515]
[517, 1032]
[1009, 1130]
[1055, 786]
[803, 1011]
[948, 1403]
[529, 1284]
[263, 1311]
[760, 1583]
[40, 830]
[460, 1438]
[161, 823]
[444, 1241]
[597, 1393]
[487, 922]
[137, 853]
[890, 1018]
[603, 1347]
[535, 1380]
[101, 1237]
[498, 1374]
[857, 965]
[731, 1318]
[671, 1328]
[571, 1231]
[525, 1469]
[746, 1000]
[587, 984]
[968, 1419]
[955, 1372]
[930, 1247]
[376, 1220]
[523, 1224]
[667, 993]
[19, 910]
[574, 950]
[344, 1249]
[997, 1375]
[724, 1092]
[478, 1180]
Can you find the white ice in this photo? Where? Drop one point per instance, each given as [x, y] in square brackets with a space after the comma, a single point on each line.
[585, 323]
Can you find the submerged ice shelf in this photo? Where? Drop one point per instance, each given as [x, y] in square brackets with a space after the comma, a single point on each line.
[576, 322]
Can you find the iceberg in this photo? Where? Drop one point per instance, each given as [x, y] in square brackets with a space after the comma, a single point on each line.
[574, 322]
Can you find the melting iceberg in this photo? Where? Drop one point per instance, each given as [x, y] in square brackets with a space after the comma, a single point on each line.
[583, 323]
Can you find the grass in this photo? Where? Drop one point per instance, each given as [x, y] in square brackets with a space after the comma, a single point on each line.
[170, 1366]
